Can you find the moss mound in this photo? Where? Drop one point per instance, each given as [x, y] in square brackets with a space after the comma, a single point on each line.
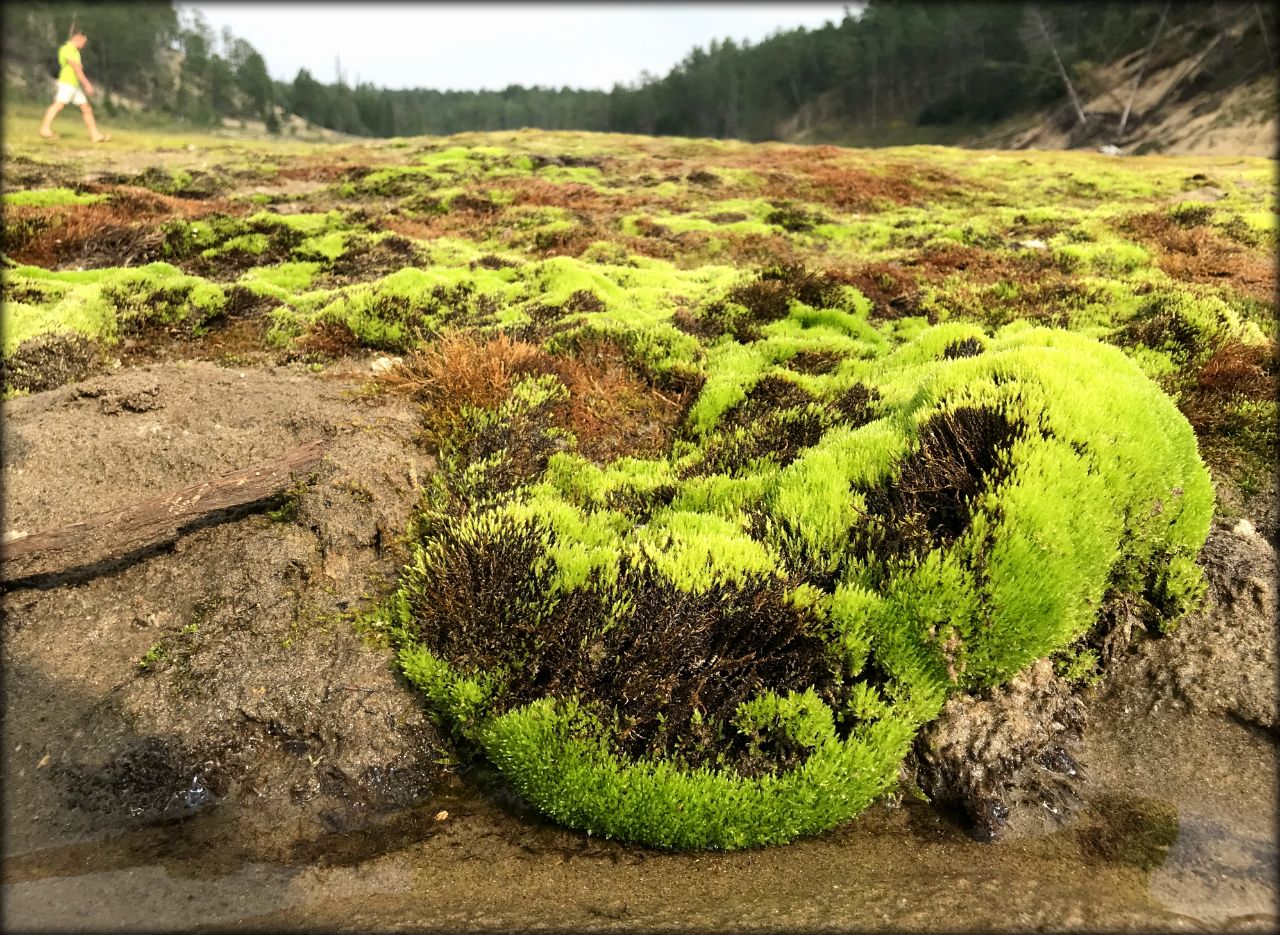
[105, 305]
[735, 644]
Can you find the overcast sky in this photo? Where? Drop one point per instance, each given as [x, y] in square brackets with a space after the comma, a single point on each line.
[492, 45]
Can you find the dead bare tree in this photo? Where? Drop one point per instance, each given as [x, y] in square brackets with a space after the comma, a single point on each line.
[1262, 24]
[1188, 67]
[1137, 81]
[1062, 70]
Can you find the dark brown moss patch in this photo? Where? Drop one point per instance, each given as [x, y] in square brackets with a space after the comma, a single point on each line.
[669, 672]
[474, 204]
[960, 454]
[179, 247]
[566, 160]
[766, 298]
[490, 261]
[779, 419]
[814, 362]
[780, 435]
[1160, 324]
[365, 259]
[969, 347]
[770, 393]
[794, 218]
[245, 303]
[116, 246]
[475, 607]
[769, 296]
[513, 450]
[702, 177]
[158, 312]
[892, 288]
[328, 340]
[324, 172]
[856, 405]
[681, 663]
[197, 185]
[696, 325]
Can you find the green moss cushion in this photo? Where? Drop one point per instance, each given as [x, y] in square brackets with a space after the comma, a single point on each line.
[735, 645]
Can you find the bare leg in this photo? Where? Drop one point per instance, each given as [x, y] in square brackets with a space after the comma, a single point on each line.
[87, 111]
[46, 127]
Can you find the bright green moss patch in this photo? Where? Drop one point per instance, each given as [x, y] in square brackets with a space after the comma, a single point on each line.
[635, 302]
[101, 304]
[1114, 257]
[324, 246]
[280, 281]
[49, 197]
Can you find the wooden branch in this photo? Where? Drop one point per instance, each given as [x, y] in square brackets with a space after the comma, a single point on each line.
[114, 532]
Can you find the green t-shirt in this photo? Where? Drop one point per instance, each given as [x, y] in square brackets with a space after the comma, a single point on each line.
[66, 55]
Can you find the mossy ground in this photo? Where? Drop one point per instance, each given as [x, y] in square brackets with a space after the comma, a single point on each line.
[750, 455]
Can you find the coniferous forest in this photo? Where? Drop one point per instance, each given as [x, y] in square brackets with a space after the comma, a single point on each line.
[885, 67]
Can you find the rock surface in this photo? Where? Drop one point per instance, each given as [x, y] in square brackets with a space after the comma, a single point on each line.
[1222, 659]
[1013, 745]
[219, 668]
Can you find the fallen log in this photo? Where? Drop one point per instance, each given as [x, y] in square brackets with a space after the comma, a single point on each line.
[115, 532]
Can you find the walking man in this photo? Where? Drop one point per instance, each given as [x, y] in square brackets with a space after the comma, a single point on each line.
[73, 85]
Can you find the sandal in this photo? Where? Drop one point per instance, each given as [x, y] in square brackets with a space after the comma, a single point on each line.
[50, 136]
[104, 138]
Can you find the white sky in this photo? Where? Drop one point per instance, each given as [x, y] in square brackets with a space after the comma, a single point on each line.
[491, 45]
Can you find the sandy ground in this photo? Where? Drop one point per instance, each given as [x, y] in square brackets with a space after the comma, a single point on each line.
[267, 767]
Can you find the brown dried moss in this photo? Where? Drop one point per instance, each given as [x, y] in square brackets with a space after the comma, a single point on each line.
[49, 361]
[613, 410]
[1191, 251]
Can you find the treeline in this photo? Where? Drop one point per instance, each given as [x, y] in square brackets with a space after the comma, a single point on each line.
[916, 63]
[893, 63]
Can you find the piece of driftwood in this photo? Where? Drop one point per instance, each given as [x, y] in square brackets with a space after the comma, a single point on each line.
[116, 532]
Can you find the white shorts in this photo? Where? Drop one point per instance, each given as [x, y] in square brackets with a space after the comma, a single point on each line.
[70, 94]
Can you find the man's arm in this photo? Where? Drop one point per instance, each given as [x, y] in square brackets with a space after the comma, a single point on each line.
[84, 81]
